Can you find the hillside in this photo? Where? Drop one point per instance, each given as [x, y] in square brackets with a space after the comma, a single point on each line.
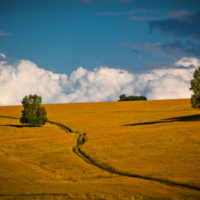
[157, 141]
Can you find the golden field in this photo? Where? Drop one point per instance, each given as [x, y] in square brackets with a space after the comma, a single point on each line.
[155, 139]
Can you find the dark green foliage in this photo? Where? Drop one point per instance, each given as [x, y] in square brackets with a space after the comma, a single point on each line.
[195, 87]
[123, 97]
[33, 112]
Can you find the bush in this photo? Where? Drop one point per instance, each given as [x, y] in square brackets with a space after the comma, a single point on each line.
[123, 97]
[33, 112]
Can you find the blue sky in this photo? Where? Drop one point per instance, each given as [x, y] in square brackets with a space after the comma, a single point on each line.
[62, 35]
[132, 35]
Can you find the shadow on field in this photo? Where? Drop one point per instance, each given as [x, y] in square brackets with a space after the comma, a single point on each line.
[16, 126]
[9, 117]
[189, 118]
[19, 126]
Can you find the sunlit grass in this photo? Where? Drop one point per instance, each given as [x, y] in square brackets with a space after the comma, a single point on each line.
[131, 137]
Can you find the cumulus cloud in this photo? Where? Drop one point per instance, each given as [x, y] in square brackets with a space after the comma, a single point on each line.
[101, 84]
[187, 62]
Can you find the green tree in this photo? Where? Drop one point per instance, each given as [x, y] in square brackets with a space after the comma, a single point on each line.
[123, 97]
[195, 87]
[33, 112]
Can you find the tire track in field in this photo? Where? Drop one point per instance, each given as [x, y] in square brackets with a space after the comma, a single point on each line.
[77, 150]
[67, 129]
[81, 140]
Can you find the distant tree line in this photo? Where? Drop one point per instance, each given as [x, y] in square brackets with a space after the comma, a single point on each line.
[123, 97]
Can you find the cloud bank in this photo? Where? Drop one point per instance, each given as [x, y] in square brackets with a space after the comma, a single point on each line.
[101, 84]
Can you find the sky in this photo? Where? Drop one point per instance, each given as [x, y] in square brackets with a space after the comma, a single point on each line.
[95, 50]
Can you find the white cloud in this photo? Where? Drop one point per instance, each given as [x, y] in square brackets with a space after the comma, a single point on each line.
[186, 62]
[168, 86]
[101, 84]
[2, 55]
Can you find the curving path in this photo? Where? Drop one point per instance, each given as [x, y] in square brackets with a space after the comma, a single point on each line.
[77, 150]
[86, 158]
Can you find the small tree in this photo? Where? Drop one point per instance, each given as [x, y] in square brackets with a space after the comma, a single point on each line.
[123, 97]
[195, 87]
[33, 112]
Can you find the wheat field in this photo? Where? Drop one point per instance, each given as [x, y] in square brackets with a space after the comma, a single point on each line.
[155, 140]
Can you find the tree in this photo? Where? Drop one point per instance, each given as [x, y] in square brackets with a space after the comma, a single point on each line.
[195, 87]
[33, 112]
[123, 97]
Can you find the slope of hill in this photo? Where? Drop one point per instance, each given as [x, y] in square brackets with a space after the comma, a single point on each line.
[158, 140]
